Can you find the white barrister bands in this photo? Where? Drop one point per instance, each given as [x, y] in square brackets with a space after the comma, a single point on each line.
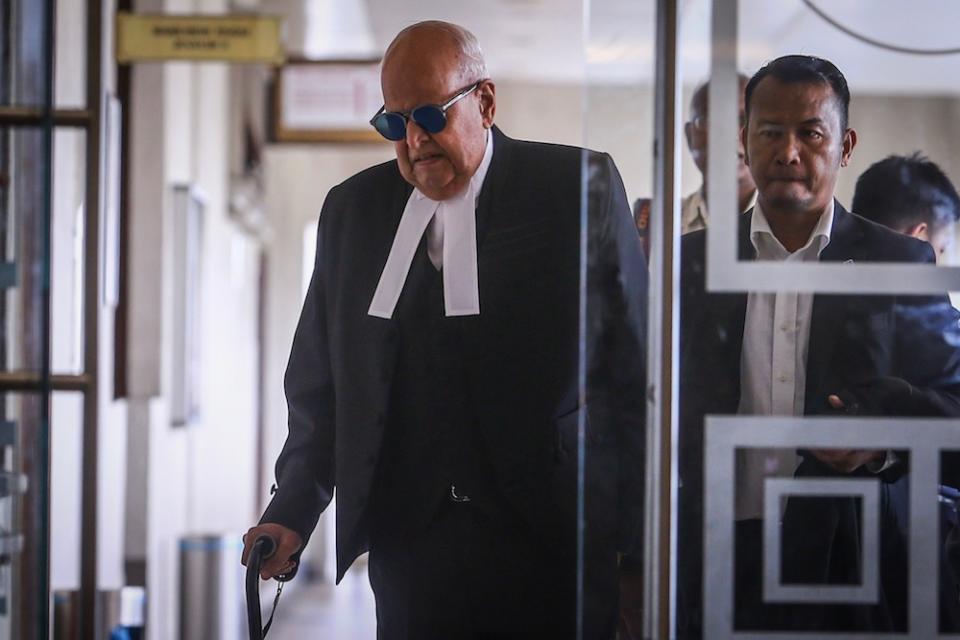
[457, 225]
[414, 222]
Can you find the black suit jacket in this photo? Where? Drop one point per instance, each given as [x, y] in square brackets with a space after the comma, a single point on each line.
[524, 348]
[853, 340]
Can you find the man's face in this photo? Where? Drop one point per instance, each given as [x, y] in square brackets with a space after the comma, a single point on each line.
[697, 131]
[795, 146]
[440, 164]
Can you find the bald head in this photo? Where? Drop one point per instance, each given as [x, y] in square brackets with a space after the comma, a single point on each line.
[700, 99]
[437, 39]
[430, 63]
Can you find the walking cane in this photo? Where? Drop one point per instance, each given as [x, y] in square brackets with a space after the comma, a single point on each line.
[263, 548]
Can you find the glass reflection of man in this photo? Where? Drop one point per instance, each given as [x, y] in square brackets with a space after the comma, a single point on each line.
[795, 353]
[912, 195]
[693, 209]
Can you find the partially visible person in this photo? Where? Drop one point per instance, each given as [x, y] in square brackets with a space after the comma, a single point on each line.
[693, 210]
[912, 195]
[641, 216]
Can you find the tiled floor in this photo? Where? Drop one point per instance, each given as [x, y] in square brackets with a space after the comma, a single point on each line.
[324, 611]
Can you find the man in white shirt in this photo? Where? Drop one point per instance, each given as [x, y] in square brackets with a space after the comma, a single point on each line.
[796, 353]
[693, 209]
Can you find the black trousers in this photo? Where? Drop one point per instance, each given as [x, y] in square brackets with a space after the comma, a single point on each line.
[469, 575]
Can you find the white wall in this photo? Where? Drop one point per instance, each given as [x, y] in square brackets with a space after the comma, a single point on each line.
[196, 479]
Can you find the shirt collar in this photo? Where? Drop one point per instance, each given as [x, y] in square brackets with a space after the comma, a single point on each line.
[693, 208]
[768, 246]
[476, 182]
[696, 206]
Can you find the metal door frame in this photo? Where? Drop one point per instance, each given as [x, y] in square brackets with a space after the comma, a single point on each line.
[89, 119]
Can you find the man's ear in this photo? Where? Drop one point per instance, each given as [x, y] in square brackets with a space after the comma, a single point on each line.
[918, 231]
[849, 142]
[488, 102]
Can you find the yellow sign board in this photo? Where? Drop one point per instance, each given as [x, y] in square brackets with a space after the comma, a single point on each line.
[146, 38]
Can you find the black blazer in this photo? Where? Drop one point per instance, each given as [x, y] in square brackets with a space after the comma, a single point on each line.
[853, 339]
[524, 348]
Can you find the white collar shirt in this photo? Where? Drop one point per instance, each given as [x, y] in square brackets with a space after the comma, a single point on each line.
[773, 358]
[694, 214]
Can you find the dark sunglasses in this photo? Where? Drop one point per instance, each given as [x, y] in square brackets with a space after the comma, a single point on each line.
[432, 118]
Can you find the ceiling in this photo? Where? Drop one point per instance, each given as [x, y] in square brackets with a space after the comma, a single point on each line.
[613, 40]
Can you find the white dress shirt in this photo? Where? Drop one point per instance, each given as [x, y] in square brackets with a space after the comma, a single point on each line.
[773, 359]
[451, 228]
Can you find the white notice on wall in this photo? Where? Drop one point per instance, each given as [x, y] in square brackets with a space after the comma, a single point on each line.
[329, 96]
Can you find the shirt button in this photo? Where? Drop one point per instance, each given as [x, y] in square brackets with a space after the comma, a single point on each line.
[782, 377]
[783, 327]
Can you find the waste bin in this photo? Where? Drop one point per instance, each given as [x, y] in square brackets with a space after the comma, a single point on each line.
[211, 588]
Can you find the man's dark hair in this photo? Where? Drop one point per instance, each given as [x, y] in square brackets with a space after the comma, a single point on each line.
[902, 191]
[797, 69]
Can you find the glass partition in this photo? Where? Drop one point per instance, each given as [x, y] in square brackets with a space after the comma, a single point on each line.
[818, 345]
[617, 499]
